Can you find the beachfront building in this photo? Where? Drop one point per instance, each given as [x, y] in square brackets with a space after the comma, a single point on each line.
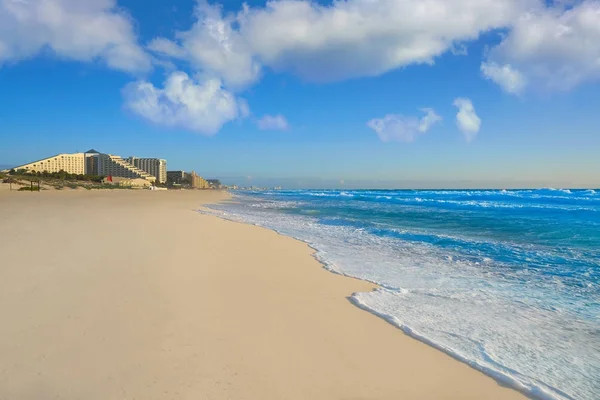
[214, 183]
[111, 165]
[69, 163]
[156, 167]
[93, 162]
[198, 182]
[176, 177]
[187, 179]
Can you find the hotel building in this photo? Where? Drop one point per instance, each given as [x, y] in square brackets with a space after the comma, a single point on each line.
[197, 181]
[91, 162]
[183, 178]
[111, 165]
[176, 177]
[214, 183]
[154, 166]
[70, 163]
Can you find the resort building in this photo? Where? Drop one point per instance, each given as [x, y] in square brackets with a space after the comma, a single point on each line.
[111, 165]
[69, 163]
[198, 182]
[93, 162]
[176, 177]
[156, 167]
[214, 183]
[183, 178]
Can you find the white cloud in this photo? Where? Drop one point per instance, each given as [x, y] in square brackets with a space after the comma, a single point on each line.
[342, 40]
[467, 120]
[166, 47]
[244, 107]
[555, 45]
[82, 30]
[511, 80]
[400, 128]
[552, 48]
[203, 107]
[430, 119]
[273, 122]
[214, 47]
[356, 38]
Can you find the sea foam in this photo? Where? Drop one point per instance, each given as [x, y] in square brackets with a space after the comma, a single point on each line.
[515, 295]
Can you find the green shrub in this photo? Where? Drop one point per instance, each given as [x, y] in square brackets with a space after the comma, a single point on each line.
[29, 189]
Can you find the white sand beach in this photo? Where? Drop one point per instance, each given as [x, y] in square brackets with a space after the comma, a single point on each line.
[133, 295]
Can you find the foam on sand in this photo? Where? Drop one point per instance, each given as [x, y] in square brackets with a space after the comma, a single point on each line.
[509, 294]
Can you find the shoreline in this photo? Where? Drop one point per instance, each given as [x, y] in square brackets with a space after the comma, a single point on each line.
[499, 378]
[259, 320]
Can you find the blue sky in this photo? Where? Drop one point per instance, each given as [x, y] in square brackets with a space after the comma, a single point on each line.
[371, 93]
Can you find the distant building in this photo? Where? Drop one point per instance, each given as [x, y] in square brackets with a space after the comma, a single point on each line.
[214, 183]
[69, 163]
[187, 179]
[92, 162]
[109, 164]
[156, 167]
[176, 177]
[198, 182]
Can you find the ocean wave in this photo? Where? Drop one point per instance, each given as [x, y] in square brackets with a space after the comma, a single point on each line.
[276, 204]
[542, 198]
[521, 313]
[497, 204]
[495, 370]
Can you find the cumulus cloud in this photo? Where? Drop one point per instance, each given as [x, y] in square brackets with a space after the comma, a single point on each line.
[400, 128]
[214, 47]
[273, 122]
[223, 65]
[553, 45]
[366, 37]
[511, 80]
[201, 106]
[166, 47]
[552, 48]
[357, 38]
[333, 42]
[82, 30]
[467, 120]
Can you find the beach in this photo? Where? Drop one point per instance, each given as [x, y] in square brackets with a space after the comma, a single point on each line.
[135, 295]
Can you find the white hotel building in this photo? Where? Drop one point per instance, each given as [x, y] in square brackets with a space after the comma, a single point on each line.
[156, 167]
[70, 163]
[93, 162]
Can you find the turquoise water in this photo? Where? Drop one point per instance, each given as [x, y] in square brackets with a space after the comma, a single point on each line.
[507, 281]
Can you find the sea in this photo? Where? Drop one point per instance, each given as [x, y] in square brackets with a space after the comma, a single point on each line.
[507, 281]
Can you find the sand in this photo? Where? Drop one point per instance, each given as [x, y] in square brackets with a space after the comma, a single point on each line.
[133, 295]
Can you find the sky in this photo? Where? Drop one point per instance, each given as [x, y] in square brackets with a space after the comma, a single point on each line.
[354, 93]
